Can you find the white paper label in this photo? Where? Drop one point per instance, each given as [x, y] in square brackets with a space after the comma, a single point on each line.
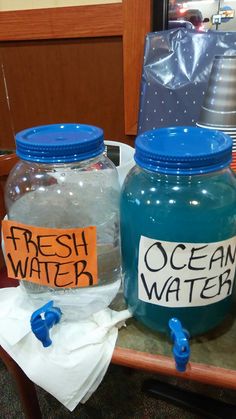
[174, 274]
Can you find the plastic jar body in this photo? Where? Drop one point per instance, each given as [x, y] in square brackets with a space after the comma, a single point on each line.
[183, 210]
[71, 195]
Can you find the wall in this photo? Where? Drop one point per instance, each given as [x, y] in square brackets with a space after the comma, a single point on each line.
[35, 4]
[62, 81]
[53, 80]
[50, 80]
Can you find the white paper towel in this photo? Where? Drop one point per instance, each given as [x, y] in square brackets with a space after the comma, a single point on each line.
[74, 365]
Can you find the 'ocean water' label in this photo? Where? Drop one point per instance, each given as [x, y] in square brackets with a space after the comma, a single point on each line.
[174, 274]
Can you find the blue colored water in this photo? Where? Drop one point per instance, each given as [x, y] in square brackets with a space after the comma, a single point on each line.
[197, 209]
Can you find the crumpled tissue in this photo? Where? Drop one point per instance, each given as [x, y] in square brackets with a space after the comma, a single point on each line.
[74, 365]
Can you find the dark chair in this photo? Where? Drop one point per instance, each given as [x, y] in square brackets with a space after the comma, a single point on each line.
[173, 24]
[193, 402]
[25, 387]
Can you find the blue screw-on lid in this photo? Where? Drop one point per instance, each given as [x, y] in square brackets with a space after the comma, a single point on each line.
[183, 150]
[60, 143]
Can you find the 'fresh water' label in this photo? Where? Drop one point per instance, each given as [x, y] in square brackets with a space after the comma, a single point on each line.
[174, 274]
[60, 258]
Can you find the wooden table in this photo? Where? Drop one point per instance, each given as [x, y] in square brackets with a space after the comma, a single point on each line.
[212, 360]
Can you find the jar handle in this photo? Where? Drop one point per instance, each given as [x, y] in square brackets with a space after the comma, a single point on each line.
[181, 349]
[40, 325]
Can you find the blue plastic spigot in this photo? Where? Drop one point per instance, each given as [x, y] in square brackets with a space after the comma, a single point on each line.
[44, 319]
[181, 349]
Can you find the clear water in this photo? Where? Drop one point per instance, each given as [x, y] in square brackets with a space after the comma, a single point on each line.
[201, 209]
[66, 206]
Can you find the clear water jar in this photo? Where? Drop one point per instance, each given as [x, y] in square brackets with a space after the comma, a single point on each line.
[64, 182]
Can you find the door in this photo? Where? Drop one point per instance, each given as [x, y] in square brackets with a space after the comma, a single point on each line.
[202, 15]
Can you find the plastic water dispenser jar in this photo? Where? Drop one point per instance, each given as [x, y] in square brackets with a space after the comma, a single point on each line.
[62, 238]
[178, 227]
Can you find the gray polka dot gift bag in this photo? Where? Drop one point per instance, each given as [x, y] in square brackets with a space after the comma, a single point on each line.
[176, 69]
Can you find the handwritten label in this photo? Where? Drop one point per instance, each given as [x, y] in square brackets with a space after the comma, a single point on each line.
[185, 274]
[61, 258]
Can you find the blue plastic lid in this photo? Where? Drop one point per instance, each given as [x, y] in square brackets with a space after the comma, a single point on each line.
[183, 150]
[60, 143]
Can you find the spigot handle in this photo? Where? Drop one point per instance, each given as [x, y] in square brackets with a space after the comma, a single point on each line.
[181, 349]
[42, 320]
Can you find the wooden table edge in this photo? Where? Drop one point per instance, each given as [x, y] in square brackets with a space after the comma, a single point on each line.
[203, 373]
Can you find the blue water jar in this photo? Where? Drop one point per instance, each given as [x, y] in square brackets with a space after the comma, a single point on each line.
[178, 227]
